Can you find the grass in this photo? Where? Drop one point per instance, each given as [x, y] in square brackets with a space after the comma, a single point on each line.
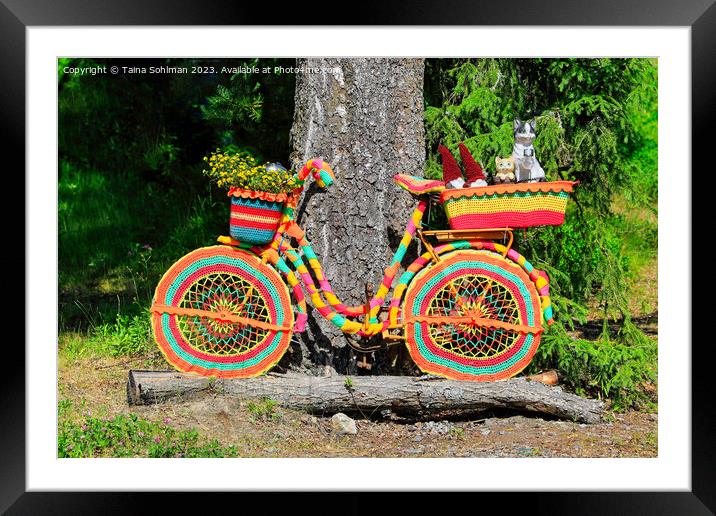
[128, 435]
[127, 336]
[263, 410]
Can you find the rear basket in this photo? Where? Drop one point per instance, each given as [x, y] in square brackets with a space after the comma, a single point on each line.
[517, 205]
[254, 215]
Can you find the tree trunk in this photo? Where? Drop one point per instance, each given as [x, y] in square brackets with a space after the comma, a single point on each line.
[365, 118]
[367, 394]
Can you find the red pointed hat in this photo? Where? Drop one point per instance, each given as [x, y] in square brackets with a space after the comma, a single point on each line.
[473, 170]
[451, 170]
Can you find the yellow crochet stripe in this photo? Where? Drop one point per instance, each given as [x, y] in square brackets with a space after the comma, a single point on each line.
[254, 218]
[521, 205]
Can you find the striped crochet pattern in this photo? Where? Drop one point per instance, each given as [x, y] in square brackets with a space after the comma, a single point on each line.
[477, 313]
[418, 185]
[518, 205]
[222, 312]
[254, 221]
[473, 316]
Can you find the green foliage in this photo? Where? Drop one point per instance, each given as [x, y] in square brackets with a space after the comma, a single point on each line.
[131, 436]
[604, 368]
[127, 336]
[253, 112]
[596, 123]
[229, 106]
[263, 409]
[131, 196]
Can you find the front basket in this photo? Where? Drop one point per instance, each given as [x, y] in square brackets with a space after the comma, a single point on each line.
[254, 215]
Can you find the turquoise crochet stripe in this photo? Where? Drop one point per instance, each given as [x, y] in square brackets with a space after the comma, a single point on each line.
[308, 252]
[464, 368]
[479, 265]
[216, 365]
[257, 203]
[215, 260]
[251, 235]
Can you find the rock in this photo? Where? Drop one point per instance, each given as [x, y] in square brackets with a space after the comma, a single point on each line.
[435, 427]
[343, 424]
[485, 432]
[524, 450]
[418, 438]
[413, 451]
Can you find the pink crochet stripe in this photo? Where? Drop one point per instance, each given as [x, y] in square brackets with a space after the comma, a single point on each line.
[504, 219]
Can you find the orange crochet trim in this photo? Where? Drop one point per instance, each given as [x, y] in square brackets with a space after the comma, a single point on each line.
[477, 321]
[224, 316]
[480, 191]
[256, 194]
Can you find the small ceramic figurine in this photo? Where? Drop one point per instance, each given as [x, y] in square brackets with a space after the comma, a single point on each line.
[452, 175]
[474, 176]
[527, 167]
[505, 170]
[526, 164]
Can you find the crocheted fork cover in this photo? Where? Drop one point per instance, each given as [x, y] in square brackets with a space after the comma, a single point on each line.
[473, 316]
[518, 205]
[221, 312]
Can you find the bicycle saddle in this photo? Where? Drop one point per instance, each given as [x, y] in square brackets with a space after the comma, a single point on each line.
[418, 185]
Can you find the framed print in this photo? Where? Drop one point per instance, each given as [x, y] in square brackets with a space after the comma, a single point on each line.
[122, 120]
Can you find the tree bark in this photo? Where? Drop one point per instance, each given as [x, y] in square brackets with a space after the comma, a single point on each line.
[366, 394]
[365, 118]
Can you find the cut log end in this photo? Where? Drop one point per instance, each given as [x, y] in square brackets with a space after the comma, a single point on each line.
[404, 395]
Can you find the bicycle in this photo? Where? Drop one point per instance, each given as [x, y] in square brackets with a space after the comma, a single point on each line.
[469, 308]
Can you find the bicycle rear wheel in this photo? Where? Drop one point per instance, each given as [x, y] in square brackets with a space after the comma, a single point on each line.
[475, 316]
[222, 312]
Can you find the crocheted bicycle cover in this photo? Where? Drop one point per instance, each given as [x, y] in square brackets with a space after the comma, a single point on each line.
[473, 316]
[418, 185]
[222, 312]
[518, 205]
[254, 215]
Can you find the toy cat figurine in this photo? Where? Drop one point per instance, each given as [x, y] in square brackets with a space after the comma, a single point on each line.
[526, 164]
[505, 170]
[527, 167]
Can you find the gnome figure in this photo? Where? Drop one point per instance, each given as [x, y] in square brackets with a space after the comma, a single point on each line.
[452, 175]
[474, 176]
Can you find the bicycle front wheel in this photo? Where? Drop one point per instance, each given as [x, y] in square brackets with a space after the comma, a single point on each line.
[222, 312]
[474, 315]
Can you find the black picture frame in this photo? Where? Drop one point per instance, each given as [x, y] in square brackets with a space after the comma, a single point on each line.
[700, 15]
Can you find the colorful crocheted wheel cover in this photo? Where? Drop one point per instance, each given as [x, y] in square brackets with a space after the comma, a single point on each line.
[221, 312]
[473, 316]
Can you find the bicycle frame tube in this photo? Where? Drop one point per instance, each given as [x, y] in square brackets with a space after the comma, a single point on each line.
[323, 298]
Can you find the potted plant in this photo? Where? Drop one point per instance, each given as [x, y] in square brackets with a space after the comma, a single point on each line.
[257, 191]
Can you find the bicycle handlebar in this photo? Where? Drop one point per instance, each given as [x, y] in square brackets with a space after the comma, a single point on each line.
[322, 172]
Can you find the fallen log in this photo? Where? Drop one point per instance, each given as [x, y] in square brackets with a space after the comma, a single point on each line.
[403, 395]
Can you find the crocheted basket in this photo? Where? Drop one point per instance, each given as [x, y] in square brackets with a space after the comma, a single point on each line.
[517, 205]
[254, 215]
